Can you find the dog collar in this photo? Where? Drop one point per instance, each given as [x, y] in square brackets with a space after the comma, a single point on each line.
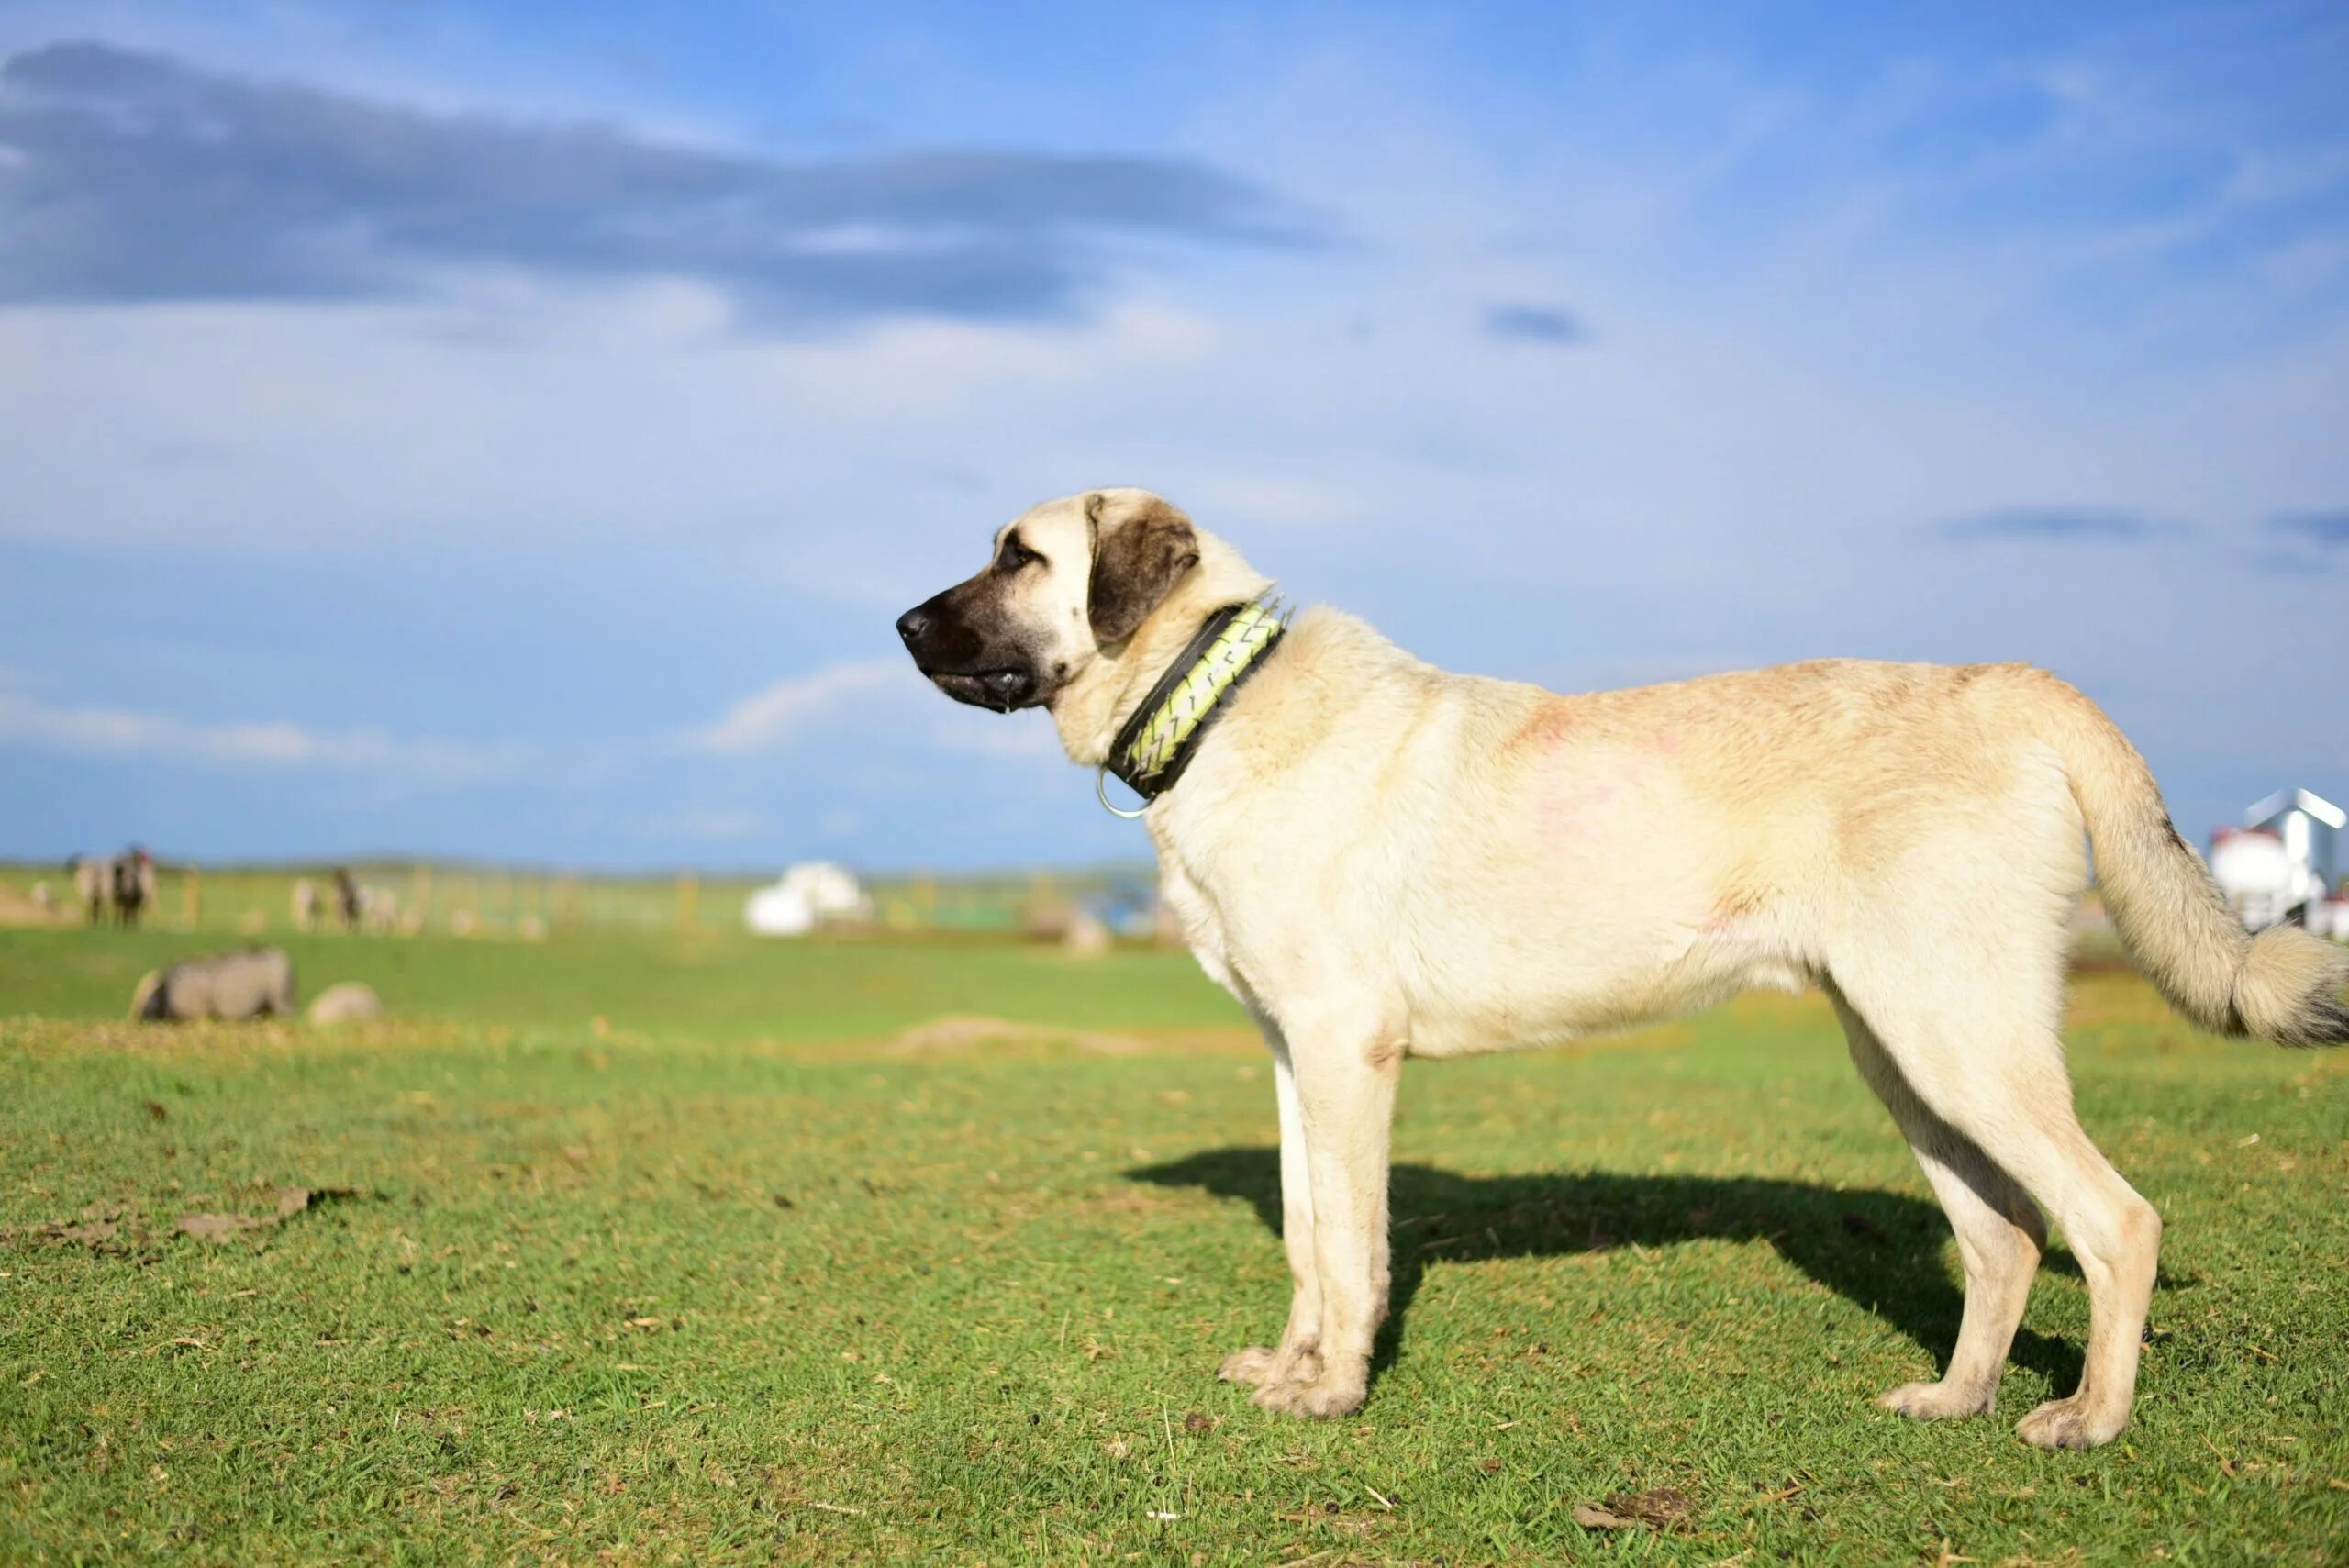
[1153, 746]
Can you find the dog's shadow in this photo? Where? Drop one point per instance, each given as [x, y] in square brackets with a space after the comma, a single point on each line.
[1881, 1251]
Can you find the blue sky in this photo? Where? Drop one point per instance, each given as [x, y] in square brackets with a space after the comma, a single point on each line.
[511, 431]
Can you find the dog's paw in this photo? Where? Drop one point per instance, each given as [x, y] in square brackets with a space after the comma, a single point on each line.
[1318, 1397]
[1258, 1365]
[2071, 1423]
[1936, 1401]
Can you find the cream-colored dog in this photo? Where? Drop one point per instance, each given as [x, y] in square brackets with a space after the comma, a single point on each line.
[1383, 861]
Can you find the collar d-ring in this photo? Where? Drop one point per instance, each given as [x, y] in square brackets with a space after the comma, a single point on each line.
[1101, 793]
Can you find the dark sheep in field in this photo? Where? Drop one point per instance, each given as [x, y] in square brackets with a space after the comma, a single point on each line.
[134, 886]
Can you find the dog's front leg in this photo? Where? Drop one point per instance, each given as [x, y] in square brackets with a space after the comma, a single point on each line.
[1344, 1087]
[1297, 1357]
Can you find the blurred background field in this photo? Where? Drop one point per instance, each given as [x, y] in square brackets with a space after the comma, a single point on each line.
[495, 900]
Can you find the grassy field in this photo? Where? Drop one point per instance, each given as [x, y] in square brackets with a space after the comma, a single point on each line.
[688, 1250]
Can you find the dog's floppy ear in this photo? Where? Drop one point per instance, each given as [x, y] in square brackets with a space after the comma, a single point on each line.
[1141, 550]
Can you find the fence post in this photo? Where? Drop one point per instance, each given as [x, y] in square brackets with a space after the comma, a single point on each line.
[192, 896]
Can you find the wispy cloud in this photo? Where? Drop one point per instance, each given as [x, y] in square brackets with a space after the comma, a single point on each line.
[1534, 324]
[2054, 523]
[885, 696]
[721, 824]
[773, 714]
[132, 176]
[27, 722]
[2327, 530]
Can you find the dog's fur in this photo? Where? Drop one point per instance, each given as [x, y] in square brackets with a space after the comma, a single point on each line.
[1382, 861]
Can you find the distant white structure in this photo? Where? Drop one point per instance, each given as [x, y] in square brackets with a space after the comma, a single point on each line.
[2254, 871]
[811, 893]
[2278, 866]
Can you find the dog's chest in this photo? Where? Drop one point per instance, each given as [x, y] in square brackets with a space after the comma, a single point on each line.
[1196, 916]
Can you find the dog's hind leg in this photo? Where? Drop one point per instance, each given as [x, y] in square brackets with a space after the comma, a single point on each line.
[1968, 1016]
[1295, 1358]
[1999, 1237]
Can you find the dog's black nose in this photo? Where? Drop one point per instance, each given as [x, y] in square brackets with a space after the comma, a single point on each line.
[911, 625]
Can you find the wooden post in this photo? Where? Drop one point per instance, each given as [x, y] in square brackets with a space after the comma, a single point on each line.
[192, 896]
[688, 900]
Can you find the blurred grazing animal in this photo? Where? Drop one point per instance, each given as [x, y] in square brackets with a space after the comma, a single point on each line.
[134, 886]
[379, 908]
[349, 1002]
[305, 901]
[347, 899]
[94, 883]
[1381, 860]
[251, 984]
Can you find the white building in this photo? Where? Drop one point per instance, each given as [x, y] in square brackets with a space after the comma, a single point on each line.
[2278, 865]
[811, 893]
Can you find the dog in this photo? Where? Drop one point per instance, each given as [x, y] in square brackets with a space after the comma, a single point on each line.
[1380, 861]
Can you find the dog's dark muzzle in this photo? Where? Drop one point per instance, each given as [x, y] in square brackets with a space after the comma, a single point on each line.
[956, 660]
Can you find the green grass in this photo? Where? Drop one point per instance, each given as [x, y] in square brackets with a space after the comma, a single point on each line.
[700, 1286]
[709, 985]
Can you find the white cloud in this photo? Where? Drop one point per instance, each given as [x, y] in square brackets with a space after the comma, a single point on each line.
[26, 720]
[768, 718]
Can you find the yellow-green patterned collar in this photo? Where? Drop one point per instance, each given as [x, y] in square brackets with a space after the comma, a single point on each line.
[1153, 748]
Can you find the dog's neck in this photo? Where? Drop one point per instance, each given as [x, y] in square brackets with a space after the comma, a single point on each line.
[1090, 711]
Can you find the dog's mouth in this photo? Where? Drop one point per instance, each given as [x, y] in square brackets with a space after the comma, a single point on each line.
[1002, 690]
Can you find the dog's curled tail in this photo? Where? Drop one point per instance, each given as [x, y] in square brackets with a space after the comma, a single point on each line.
[2283, 985]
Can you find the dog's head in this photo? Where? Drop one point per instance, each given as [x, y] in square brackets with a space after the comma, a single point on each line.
[1069, 580]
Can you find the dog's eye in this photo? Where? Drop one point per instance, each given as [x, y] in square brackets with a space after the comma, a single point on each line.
[1016, 555]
